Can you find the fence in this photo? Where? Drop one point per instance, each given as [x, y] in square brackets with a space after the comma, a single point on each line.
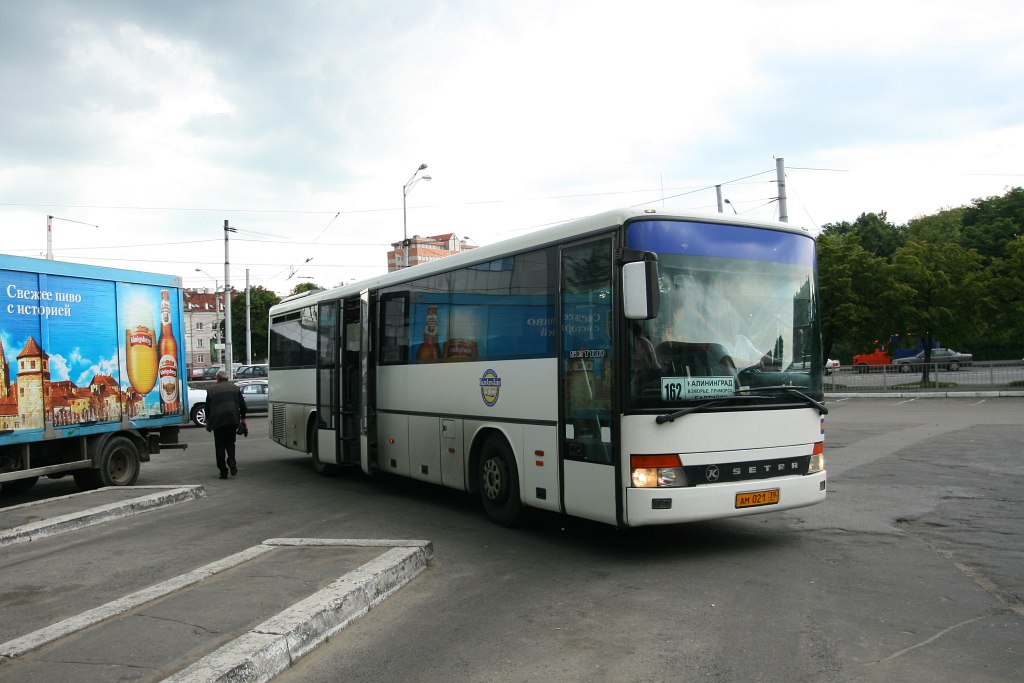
[994, 375]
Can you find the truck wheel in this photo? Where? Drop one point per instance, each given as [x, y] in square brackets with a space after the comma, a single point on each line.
[499, 482]
[18, 485]
[119, 463]
[86, 480]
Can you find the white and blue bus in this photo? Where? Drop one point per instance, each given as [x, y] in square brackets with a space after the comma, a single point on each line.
[632, 368]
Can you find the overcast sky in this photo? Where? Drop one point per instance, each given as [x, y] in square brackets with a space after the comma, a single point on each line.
[299, 122]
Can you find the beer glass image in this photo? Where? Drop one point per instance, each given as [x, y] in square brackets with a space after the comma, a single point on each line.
[141, 357]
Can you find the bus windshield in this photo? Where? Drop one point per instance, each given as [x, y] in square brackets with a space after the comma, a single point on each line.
[738, 311]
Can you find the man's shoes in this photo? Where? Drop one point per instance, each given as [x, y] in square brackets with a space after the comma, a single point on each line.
[223, 475]
[234, 470]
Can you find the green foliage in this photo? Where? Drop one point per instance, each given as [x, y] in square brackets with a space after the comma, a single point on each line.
[850, 282]
[260, 301]
[990, 224]
[877, 235]
[956, 276]
[305, 287]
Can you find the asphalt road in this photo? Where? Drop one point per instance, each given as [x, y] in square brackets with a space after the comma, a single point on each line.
[909, 571]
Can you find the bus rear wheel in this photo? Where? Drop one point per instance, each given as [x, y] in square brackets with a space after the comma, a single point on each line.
[324, 469]
[499, 482]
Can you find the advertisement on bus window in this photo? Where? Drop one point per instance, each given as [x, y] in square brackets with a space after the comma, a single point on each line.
[470, 327]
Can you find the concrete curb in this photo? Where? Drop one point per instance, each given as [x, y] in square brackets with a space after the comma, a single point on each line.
[277, 643]
[97, 515]
[272, 646]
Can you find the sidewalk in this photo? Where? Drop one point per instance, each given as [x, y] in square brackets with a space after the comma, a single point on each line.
[245, 617]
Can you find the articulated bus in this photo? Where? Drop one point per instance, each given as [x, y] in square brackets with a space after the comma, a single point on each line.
[632, 368]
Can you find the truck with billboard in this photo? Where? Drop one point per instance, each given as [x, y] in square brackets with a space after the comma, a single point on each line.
[92, 364]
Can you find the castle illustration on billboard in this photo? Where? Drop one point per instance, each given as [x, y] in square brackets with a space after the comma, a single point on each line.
[29, 400]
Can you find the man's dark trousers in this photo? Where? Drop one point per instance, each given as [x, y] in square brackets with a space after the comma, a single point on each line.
[224, 445]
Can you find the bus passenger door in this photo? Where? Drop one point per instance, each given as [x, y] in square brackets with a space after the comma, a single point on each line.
[587, 375]
[327, 389]
[367, 395]
[351, 387]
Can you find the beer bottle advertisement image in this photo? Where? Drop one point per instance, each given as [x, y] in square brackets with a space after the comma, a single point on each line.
[150, 355]
[429, 350]
[167, 348]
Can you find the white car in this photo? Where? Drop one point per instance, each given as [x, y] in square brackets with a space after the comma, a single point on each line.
[254, 391]
[197, 406]
[831, 366]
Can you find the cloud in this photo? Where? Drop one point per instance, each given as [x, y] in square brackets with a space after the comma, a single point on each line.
[276, 116]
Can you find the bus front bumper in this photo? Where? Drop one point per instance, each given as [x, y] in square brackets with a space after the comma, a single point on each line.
[717, 501]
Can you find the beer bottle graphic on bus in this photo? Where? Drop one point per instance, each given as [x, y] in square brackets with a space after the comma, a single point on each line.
[429, 351]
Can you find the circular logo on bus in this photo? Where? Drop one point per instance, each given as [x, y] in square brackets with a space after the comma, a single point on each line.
[490, 386]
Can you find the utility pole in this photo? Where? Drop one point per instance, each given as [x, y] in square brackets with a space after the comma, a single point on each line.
[718, 195]
[780, 176]
[49, 232]
[248, 322]
[227, 305]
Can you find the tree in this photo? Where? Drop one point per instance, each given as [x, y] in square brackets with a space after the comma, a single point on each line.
[304, 287]
[878, 236]
[940, 228]
[1001, 301]
[989, 225]
[260, 301]
[934, 287]
[851, 283]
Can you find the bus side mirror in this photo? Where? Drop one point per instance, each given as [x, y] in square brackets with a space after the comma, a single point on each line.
[641, 294]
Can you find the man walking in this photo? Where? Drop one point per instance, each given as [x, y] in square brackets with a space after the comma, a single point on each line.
[225, 416]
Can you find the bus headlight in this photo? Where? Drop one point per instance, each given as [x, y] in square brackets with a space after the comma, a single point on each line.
[817, 463]
[656, 471]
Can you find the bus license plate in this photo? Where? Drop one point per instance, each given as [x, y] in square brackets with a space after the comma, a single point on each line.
[752, 499]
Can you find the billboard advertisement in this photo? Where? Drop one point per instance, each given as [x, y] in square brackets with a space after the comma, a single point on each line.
[76, 352]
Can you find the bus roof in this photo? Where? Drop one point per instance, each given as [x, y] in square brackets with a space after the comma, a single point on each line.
[580, 227]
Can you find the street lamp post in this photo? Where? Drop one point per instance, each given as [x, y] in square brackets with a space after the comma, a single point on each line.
[216, 308]
[406, 189]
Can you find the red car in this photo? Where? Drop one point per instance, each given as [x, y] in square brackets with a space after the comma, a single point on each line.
[878, 357]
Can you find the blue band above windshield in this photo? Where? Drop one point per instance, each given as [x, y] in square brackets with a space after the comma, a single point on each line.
[716, 239]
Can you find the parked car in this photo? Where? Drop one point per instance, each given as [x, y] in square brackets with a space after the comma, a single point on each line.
[878, 357]
[251, 371]
[831, 365]
[254, 391]
[197, 406]
[944, 359]
[211, 372]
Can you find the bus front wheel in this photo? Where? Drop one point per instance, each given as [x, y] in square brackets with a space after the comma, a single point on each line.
[499, 482]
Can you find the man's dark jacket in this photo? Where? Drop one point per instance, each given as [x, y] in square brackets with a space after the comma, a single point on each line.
[225, 406]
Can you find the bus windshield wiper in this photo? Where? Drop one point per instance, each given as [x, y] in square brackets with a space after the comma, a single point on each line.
[672, 417]
[822, 410]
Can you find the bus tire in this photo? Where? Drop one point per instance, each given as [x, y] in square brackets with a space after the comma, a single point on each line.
[324, 469]
[18, 485]
[119, 463]
[499, 482]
